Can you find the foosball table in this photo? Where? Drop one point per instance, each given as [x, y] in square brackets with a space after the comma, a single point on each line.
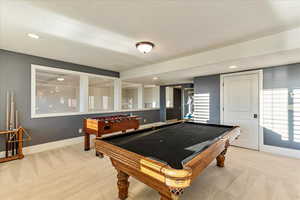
[100, 126]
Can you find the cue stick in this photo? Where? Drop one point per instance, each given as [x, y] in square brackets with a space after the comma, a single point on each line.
[12, 121]
[17, 119]
[12, 144]
[16, 135]
[6, 146]
[7, 122]
[9, 144]
[12, 112]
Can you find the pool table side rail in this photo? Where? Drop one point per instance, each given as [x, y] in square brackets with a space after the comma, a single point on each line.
[162, 172]
[152, 168]
[156, 127]
[201, 161]
[140, 130]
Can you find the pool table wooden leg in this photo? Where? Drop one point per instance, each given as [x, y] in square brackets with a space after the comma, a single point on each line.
[163, 197]
[169, 197]
[221, 158]
[123, 184]
[86, 142]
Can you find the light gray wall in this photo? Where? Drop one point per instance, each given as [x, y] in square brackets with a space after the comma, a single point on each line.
[283, 77]
[15, 74]
[286, 76]
[210, 85]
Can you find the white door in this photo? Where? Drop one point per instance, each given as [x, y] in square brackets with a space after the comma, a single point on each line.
[241, 107]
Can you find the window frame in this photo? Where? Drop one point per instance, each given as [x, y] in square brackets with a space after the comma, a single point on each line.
[172, 106]
[140, 99]
[158, 96]
[87, 92]
[83, 94]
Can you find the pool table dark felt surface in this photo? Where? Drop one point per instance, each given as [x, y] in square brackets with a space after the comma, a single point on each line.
[173, 144]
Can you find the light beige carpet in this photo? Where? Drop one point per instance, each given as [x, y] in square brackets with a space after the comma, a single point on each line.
[69, 173]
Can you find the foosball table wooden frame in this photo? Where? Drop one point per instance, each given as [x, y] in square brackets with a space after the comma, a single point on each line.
[100, 126]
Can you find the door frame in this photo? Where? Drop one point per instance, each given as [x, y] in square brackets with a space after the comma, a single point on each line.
[260, 101]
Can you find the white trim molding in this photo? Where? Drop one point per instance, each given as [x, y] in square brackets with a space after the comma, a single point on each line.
[84, 93]
[252, 48]
[117, 94]
[50, 146]
[67, 142]
[79, 140]
[260, 96]
[83, 110]
[293, 153]
[92, 113]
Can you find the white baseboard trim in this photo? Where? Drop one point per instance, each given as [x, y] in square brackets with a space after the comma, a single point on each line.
[49, 146]
[67, 142]
[62, 143]
[52, 145]
[280, 151]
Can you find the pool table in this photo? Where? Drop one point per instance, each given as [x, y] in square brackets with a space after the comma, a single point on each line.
[166, 157]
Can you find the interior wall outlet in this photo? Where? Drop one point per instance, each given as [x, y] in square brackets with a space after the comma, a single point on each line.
[80, 130]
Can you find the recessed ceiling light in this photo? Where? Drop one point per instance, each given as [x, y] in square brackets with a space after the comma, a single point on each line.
[145, 47]
[233, 67]
[32, 35]
[60, 79]
[149, 86]
[155, 78]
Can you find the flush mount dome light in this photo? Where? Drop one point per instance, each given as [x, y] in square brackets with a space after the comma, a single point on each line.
[144, 47]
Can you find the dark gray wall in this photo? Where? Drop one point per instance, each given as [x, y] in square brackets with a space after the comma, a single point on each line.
[286, 76]
[162, 97]
[15, 74]
[162, 101]
[210, 85]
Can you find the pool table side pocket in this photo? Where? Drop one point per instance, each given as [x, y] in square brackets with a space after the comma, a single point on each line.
[174, 178]
[168, 181]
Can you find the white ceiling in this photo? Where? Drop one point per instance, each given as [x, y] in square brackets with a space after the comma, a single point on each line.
[103, 33]
[257, 62]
